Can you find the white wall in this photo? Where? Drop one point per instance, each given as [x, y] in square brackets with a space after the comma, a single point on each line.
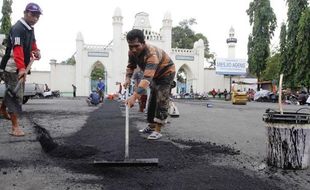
[40, 77]
[212, 80]
[62, 77]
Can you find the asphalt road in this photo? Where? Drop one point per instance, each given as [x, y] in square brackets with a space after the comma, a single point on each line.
[238, 126]
[208, 147]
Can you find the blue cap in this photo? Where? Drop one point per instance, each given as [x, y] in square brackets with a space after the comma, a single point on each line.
[33, 7]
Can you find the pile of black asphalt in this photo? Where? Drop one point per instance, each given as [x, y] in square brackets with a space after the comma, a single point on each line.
[103, 138]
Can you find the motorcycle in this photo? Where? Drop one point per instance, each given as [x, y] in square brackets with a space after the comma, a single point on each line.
[293, 99]
[51, 94]
[56, 93]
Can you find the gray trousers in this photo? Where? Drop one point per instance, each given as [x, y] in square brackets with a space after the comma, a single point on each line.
[11, 80]
[159, 99]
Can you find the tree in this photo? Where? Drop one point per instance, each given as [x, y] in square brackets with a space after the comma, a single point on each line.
[184, 37]
[6, 17]
[273, 67]
[97, 72]
[181, 76]
[205, 41]
[303, 49]
[295, 9]
[264, 23]
[71, 61]
[283, 58]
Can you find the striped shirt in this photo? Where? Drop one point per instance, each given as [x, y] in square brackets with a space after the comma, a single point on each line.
[155, 64]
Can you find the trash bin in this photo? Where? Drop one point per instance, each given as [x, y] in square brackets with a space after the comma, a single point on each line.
[288, 139]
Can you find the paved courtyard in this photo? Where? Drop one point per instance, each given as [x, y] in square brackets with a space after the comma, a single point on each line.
[220, 146]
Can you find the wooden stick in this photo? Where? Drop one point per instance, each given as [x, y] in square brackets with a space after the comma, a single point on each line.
[280, 94]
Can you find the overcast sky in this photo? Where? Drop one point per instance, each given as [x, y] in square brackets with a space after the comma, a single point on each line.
[62, 19]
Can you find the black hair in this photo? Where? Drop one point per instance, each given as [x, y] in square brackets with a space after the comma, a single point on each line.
[136, 34]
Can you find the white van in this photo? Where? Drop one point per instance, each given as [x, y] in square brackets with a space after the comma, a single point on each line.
[31, 90]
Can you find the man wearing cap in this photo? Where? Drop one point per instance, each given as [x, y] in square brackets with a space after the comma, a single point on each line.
[22, 48]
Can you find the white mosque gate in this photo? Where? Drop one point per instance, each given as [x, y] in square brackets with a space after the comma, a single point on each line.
[114, 58]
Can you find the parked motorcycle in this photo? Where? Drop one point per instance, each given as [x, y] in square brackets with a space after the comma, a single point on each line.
[56, 93]
[292, 99]
[302, 98]
[51, 94]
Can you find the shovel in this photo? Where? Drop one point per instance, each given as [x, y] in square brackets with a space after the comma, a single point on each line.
[280, 94]
[10, 97]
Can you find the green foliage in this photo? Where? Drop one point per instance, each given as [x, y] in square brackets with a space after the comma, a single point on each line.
[6, 17]
[181, 76]
[205, 42]
[263, 19]
[303, 49]
[283, 58]
[98, 72]
[184, 37]
[71, 61]
[295, 9]
[272, 71]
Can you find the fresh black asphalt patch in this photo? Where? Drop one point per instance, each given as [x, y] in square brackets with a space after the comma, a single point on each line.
[103, 137]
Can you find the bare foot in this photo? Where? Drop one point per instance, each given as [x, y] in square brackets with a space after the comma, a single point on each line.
[17, 133]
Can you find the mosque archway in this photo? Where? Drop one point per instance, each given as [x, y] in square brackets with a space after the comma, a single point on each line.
[184, 82]
[98, 72]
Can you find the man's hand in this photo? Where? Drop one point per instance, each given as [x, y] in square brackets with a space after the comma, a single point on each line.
[36, 55]
[126, 83]
[131, 101]
[22, 74]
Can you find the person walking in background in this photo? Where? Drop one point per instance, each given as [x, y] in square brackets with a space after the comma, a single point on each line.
[74, 90]
[120, 89]
[100, 89]
[137, 76]
[219, 93]
[225, 94]
[47, 89]
[119, 92]
[158, 74]
[22, 43]
[213, 93]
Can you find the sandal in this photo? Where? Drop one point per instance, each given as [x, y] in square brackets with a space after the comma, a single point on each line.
[147, 129]
[154, 136]
[17, 133]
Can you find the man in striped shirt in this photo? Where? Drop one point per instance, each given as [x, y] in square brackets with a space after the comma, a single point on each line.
[158, 74]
